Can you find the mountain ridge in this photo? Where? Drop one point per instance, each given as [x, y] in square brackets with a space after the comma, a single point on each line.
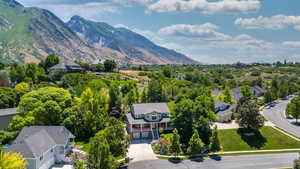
[125, 41]
[29, 34]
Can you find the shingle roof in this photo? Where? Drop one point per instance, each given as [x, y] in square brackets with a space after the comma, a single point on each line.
[33, 141]
[10, 111]
[150, 107]
[257, 90]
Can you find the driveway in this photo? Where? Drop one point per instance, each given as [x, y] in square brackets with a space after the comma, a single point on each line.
[226, 162]
[276, 115]
[141, 150]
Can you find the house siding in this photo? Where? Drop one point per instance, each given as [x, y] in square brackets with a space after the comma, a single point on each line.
[4, 121]
[47, 161]
[31, 164]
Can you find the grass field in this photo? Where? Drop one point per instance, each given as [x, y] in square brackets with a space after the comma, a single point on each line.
[266, 139]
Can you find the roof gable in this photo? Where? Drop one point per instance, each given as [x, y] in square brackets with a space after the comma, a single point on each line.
[150, 107]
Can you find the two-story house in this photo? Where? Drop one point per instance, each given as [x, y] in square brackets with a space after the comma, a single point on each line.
[43, 146]
[144, 120]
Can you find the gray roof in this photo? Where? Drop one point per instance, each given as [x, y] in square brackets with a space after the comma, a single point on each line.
[216, 92]
[237, 93]
[7, 112]
[150, 107]
[64, 64]
[132, 120]
[33, 141]
[219, 103]
[258, 91]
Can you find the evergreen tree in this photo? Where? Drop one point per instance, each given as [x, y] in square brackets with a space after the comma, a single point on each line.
[144, 98]
[215, 145]
[269, 97]
[195, 144]
[175, 146]
[155, 91]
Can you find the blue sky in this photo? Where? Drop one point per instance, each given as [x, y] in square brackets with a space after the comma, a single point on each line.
[211, 31]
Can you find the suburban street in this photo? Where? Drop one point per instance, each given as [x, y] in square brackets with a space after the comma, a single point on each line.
[276, 116]
[272, 161]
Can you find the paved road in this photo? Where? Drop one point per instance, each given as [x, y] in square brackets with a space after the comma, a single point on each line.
[226, 162]
[276, 116]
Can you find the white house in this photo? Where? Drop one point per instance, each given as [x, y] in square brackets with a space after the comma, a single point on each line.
[144, 120]
[43, 146]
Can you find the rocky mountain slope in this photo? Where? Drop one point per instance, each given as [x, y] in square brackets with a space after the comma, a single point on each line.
[30, 34]
[137, 47]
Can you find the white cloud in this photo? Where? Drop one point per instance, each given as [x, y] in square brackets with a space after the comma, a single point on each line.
[297, 27]
[206, 31]
[204, 6]
[274, 23]
[295, 44]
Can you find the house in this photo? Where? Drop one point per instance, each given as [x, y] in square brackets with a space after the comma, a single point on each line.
[43, 146]
[144, 120]
[67, 67]
[223, 111]
[5, 78]
[258, 91]
[6, 116]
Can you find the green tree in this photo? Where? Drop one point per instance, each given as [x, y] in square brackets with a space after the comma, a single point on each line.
[293, 108]
[248, 116]
[50, 61]
[296, 164]
[49, 113]
[8, 97]
[215, 145]
[110, 65]
[195, 144]
[155, 91]
[228, 96]
[12, 161]
[167, 71]
[188, 115]
[2, 65]
[18, 73]
[247, 93]
[99, 154]
[144, 98]
[269, 96]
[116, 137]
[175, 146]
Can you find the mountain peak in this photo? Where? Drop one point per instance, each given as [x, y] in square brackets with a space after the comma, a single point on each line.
[12, 3]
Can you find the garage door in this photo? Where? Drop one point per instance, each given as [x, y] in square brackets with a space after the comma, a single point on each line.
[136, 135]
[47, 164]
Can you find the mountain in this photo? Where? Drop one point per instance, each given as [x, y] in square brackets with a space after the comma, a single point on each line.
[139, 49]
[30, 34]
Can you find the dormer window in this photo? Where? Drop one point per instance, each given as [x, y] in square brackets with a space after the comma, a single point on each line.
[154, 117]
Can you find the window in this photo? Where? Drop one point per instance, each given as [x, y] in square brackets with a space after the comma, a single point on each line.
[154, 117]
[51, 150]
[41, 158]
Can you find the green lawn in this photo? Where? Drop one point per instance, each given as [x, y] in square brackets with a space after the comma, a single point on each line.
[86, 146]
[268, 138]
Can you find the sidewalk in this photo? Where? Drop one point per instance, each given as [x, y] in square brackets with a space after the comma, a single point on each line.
[232, 152]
